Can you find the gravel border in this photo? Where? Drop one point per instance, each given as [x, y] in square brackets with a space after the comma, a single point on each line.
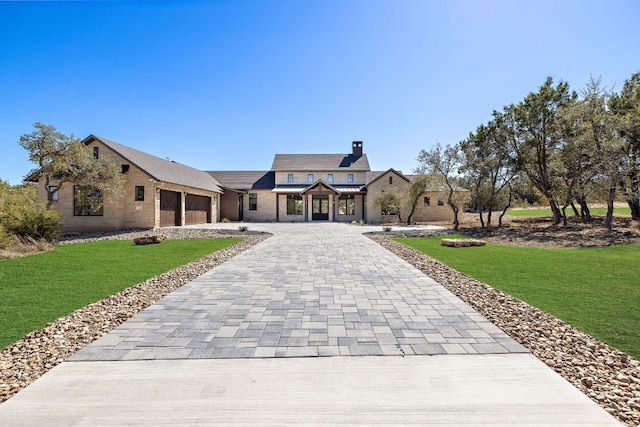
[606, 375]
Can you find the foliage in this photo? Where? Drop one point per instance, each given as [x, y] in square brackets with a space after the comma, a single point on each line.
[22, 214]
[418, 186]
[444, 164]
[63, 159]
[389, 202]
[243, 228]
[566, 282]
[38, 289]
[553, 144]
[488, 168]
[626, 108]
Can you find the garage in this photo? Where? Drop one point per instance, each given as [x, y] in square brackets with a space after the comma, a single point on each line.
[169, 208]
[197, 209]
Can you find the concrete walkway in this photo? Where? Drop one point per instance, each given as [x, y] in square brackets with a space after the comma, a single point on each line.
[239, 345]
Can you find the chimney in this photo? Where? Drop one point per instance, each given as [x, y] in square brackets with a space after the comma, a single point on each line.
[357, 148]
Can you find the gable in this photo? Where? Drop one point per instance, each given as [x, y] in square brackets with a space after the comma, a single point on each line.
[161, 169]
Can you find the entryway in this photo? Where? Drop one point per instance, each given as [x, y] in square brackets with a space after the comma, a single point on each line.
[320, 208]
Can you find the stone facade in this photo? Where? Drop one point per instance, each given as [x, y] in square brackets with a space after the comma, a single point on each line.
[298, 188]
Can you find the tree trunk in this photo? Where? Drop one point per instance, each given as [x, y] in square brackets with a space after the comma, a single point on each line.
[555, 210]
[413, 209]
[585, 213]
[564, 215]
[575, 210]
[481, 218]
[489, 217]
[504, 211]
[456, 223]
[608, 220]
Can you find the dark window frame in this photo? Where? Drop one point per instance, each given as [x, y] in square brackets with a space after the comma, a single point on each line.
[390, 180]
[253, 201]
[347, 205]
[440, 202]
[350, 177]
[290, 178]
[294, 204]
[55, 196]
[81, 209]
[138, 194]
[310, 178]
[427, 201]
[330, 178]
[96, 152]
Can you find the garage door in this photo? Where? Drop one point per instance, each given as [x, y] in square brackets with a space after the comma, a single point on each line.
[169, 208]
[197, 209]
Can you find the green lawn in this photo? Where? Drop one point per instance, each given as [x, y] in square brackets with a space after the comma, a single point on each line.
[547, 211]
[596, 290]
[37, 289]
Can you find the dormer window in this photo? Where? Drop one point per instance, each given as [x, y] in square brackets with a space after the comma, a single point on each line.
[330, 178]
[310, 178]
[290, 178]
[350, 177]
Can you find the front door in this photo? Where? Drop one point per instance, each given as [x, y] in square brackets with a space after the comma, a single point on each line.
[320, 211]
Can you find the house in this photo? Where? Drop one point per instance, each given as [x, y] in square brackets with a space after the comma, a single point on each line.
[157, 193]
[319, 187]
[297, 188]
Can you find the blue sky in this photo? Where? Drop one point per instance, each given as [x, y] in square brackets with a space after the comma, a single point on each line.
[224, 85]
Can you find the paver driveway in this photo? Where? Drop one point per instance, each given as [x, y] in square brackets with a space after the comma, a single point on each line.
[309, 290]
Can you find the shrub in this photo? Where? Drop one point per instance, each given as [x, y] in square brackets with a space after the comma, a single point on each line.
[386, 229]
[6, 238]
[225, 220]
[243, 228]
[21, 213]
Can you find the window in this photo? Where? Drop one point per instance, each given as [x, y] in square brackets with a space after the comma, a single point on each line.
[124, 168]
[427, 201]
[440, 202]
[330, 178]
[81, 197]
[350, 177]
[139, 193]
[253, 202]
[53, 190]
[96, 152]
[390, 180]
[294, 205]
[310, 178]
[346, 205]
[290, 178]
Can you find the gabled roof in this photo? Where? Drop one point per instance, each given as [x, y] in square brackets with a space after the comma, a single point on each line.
[320, 162]
[319, 183]
[245, 180]
[376, 175]
[162, 169]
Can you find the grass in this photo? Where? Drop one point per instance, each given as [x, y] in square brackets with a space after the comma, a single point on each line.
[547, 212]
[38, 289]
[594, 289]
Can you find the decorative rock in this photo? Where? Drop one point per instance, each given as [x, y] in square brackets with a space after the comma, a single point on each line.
[462, 243]
[148, 240]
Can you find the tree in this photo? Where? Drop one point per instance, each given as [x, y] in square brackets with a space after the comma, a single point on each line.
[389, 201]
[594, 153]
[63, 159]
[538, 136]
[626, 108]
[416, 188]
[488, 167]
[443, 163]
